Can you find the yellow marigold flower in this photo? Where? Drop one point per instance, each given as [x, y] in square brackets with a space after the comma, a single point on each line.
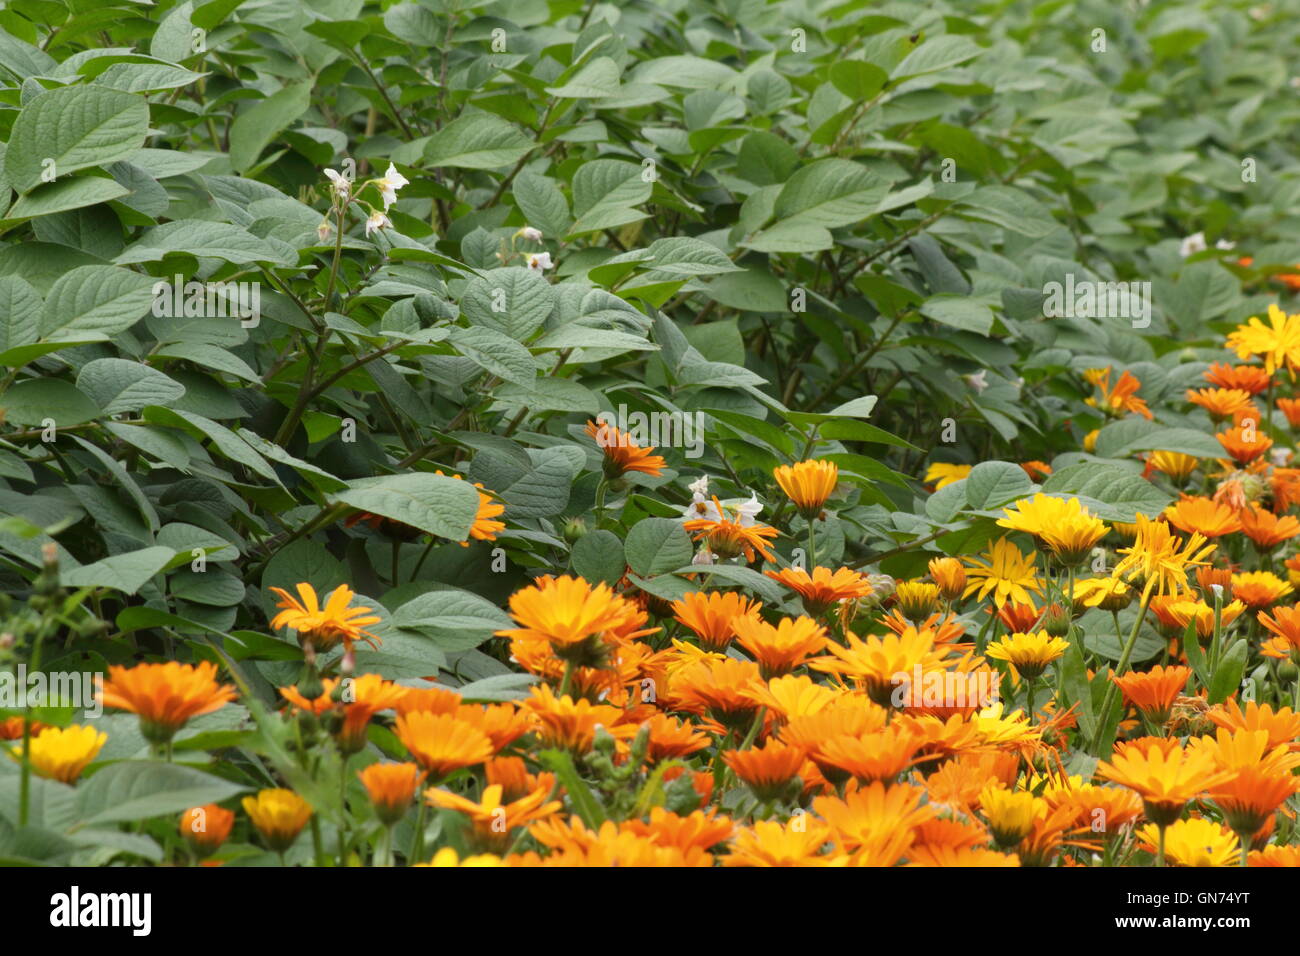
[789, 697]
[1185, 612]
[808, 484]
[1007, 572]
[798, 842]
[279, 816]
[1159, 559]
[1173, 463]
[165, 696]
[1163, 774]
[205, 828]
[1194, 842]
[391, 788]
[62, 753]
[942, 474]
[324, 626]
[950, 575]
[1062, 524]
[917, 599]
[1008, 813]
[1109, 594]
[447, 857]
[1029, 654]
[1278, 343]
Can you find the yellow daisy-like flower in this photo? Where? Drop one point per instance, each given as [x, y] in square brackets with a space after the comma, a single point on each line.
[279, 816]
[1109, 594]
[1029, 654]
[62, 753]
[1009, 813]
[941, 474]
[1062, 524]
[917, 599]
[1278, 343]
[1173, 463]
[447, 857]
[1194, 842]
[808, 484]
[324, 626]
[1159, 558]
[1259, 589]
[1008, 573]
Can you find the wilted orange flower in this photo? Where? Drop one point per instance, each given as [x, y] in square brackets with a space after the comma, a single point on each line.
[1222, 403]
[1244, 443]
[823, 588]
[279, 816]
[1259, 589]
[808, 484]
[391, 788]
[731, 536]
[492, 819]
[712, 615]
[1122, 398]
[1278, 343]
[1153, 692]
[1266, 529]
[324, 626]
[165, 696]
[441, 744]
[622, 454]
[1203, 516]
[205, 828]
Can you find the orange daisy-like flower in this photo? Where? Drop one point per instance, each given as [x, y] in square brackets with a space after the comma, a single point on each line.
[931, 854]
[1222, 403]
[1244, 443]
[205, 828]
[279, 816]
[701, 830]
[436, 700]
[1163, 774]
[1266, 529]
[881, 756]
[391, 788]
[882, 663]
[570, 614]
[622, 454]
[769, 843]
[719, 689]
[359, 698]
[567, 724]
[1202, 516]
[1282, 726]
[1252, 796]
[875, 818]
[441, 744]
[165, 696]
[823, 588]
[1172, 463]
[712, 615]
[1102, 811]
[1259, 589]
[808, 484]
[1251, 379]
[1290, 407]
[492, 819]
[1278, 343]
[731, 536]
[671, 738]
[322, 627]
[1120, 399]
[767, 770]
[1037, 469]
[789, 697]
[1153, 692]
[949, 574]
[1275, 855]
[780, 649]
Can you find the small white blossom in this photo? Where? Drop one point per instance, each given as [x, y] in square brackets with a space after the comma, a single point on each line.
[704, 556]
[700, 486]
[391, 182]
[1225, 244]
[977, 380]
[1192, 245]
[531, 234]
[341, 186]
[748, 511]
[324, 230]
[376, 221]
[540, 261]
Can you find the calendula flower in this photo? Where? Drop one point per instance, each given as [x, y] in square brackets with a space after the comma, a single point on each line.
[1008, 813]
[1194, 842]
[1153, 692]
[1159, 559]
[1029, 654]
[1251, 379]
[359, 699]
[672, 738]
[767, 770]
[1120, 399]
[1282, 727]
[808, 484]
[1007, 573]
[1183, 613]
[279, 816]
[325, 626]
[950, 575]
[566, 723]
[1101, 811]
[447, 857]
[1222, 403]
[1251, 797]
[1274, 855]
[1266, 529]
[389, 184]
[1173, 463]
[485, 526]
[720, 690]
[930, 854]
[491, 819]
[1259, 589]
[165, 696]
[571, 614]
[1063, 525]
[729, 537]
[789, 697]
[1203, 516]
[1278, 343]
[62, 753]
[712, 615]
[1290, 407]
[205, 828]
[781, 648]
[391, 788]
[941, 474]
[1109, 594]
[877, 661]
[798, 842]
[1036, 470]
[1244, 443]
[823, 588]
[875, 818]
[880, 756]
[917, 599]
[442, 744]
[1164, 774]
[622, 454]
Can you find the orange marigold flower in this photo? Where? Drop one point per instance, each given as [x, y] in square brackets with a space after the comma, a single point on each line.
[359, 698]
[574, 617]
[1203, 516]
[1259, 589]
[730, 536]
[769, 843]
[622, 454]
[1266, 529]
[205, 828]
[492, 819]
[781, 648]
[436, 700]
[485, 526]
[1290, 407]
[950, 576]
[808, 484]
[1153, 692]
[1275, 855]
[567, 724]
[767, 770]
[713, 615]
[1120, 399]
[1282, 727]
[1036, 469]
[719, 689]
[1244, 443]
[876, 818]
[672, 738]
[1222, 403]
[322, 627]
[441, 744]
[391, 788]
[881, 663]
[823, 588]
[165, 696]
[1163, 774]
[1249, 378]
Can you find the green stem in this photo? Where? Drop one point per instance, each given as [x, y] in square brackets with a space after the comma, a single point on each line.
[1103, 719]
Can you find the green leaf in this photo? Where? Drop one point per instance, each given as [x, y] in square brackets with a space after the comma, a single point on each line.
[514, 301]
[255, 127]
[36, 400]
[71, 128]
[476, 141]
[992, 484]
[585, 804]
[455, 620]
[122, 572]
[604, 192]
[542, 203]
[830, 193]
[64, 194]
[437, 505]
[138, 790]
[596, 79]
[959, 312]
[91, 303]
[117, 385]
[657, 546]
[598, 556]
[1228, 671]
[203, 239]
